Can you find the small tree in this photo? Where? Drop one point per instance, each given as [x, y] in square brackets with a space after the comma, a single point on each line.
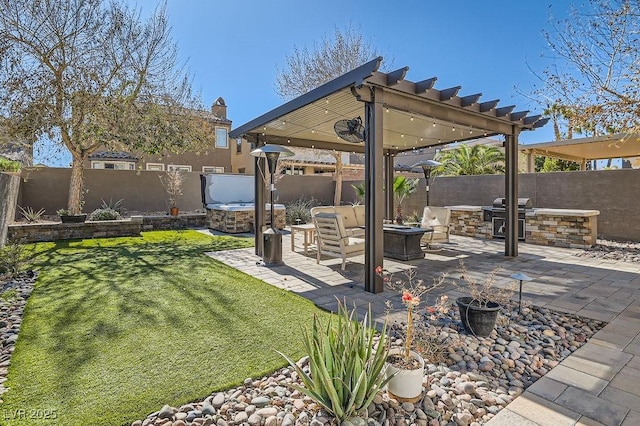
[307, 69]
[172, 182]
[402, 187]
[591, 85]
[90, 73]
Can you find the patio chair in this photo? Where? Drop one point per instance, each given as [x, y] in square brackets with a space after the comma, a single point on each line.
[333, 240]
[436, 218]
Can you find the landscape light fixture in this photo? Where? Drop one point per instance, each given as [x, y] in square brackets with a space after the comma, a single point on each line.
[520, 276]
[272, 238]
[426, 166]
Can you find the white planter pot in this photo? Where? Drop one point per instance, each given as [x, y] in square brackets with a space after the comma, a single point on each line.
[407, 384]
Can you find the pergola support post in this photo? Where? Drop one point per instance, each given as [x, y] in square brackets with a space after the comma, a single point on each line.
[511, 194]
[388, 175]
[259, 207]
[373, 199]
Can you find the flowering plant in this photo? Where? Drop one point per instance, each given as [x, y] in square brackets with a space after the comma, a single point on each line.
[412, 290]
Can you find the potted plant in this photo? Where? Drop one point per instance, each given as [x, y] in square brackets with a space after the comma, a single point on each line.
[402, 187]
[479, 311]
[405, 366]
[172, 182]
[67, 217]
[345, 370]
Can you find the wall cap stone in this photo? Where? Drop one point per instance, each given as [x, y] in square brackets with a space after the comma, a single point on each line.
[563, 212]
[465, 208]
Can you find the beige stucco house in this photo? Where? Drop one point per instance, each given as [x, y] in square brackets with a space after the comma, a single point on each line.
[224, 156]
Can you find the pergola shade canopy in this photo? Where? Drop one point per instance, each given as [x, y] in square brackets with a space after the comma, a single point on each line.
[621, 145]
[397, 115]
[416, 114]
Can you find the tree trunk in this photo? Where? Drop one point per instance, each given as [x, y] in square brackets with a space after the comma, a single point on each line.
[337, 198]
[76, 186]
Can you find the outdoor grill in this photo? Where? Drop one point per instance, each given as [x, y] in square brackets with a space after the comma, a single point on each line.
[496, 214]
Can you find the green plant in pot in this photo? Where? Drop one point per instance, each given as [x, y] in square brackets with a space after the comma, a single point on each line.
[479, 311]
[67, 217]
[405, 366]
[346, 364]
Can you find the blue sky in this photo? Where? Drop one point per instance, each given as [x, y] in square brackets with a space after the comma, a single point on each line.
[233, 47]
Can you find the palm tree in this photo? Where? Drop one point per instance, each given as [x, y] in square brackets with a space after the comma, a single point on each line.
[471, 160]
[360, 191]
[401, 188]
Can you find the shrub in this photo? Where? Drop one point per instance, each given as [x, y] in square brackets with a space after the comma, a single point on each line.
[299, 211]
[30, 214]
[105, 214]
[117, 206]
[7, 165]
[345, 364]
[14, 258]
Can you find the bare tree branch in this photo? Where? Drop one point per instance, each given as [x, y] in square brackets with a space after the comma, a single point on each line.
[91, 73]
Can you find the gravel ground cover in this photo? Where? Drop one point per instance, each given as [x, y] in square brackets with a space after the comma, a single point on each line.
[476, 378]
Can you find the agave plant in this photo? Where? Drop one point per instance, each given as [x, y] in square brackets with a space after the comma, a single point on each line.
[346, 367]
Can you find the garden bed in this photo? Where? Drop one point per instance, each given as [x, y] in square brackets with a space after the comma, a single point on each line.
[55, 231]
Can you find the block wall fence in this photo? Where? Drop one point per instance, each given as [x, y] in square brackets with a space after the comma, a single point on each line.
[615, 193]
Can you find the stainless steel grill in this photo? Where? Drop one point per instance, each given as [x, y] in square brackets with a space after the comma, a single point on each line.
[496, 214]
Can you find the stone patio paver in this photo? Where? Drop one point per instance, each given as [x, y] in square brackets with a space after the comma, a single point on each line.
[597, 384]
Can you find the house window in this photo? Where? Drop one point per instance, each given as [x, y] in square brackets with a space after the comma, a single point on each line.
[113, 165]
[222, 138]
[180, 167]
[239, 146]
[293, 171]
[155, 167]
[242, 170]
[212, 169]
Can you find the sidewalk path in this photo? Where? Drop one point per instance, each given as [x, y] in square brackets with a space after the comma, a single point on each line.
[599, 384]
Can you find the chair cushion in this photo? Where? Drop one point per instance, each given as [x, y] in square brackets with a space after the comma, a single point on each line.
[348, 216]
[358, 209]
[430, 222]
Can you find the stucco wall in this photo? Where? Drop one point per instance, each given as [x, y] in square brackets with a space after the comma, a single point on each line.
[141, 191]
[614, 192]
[9, 185]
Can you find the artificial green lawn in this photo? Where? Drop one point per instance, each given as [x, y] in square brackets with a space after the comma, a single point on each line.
[115, 328]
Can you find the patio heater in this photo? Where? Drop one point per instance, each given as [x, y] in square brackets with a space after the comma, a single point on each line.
[426, 166]
[272, 238]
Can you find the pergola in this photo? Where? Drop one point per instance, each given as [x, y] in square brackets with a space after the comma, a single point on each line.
[621, 145]
[398, 115]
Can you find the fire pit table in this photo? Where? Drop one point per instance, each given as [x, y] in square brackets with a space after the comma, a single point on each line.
[403, 242]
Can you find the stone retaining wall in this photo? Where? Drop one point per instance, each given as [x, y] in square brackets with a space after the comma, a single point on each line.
[156, 223]
[54, 231]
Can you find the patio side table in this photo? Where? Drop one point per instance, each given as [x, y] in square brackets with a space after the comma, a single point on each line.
[308, 231]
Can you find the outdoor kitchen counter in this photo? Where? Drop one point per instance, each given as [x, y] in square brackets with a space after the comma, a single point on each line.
[571, 228]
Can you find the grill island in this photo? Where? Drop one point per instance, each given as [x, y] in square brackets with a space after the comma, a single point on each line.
[496, 214]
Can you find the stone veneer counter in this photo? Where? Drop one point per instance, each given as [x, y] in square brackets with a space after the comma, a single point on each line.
[570, 228]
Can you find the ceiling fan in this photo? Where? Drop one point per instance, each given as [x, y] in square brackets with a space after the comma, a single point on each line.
[350, 130]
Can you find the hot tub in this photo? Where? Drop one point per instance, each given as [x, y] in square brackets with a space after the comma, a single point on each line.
[236, 218]
[228, 200]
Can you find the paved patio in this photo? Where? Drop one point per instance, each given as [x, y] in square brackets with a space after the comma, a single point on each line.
[598, 384]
